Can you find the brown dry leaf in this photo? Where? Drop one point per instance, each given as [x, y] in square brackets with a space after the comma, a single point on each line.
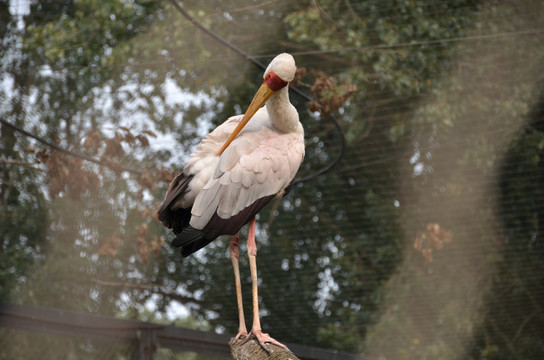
[314, 107]
[154, 215]
[156, 244]
[165, 175]
[141, 230]
[114, 149]
[144, 141]
[428, 254]
[42, 156]
[113, 165]
[66, 174]
[143, 251]
[148, 213]
[322, 84]
[110, 246]
[144, 247]
[329, 95]
[93, 141]
[299, 74]
[447, 237]
[420, 239]
[437, 238]
[146, 180]
[150, 133]
[129, 138]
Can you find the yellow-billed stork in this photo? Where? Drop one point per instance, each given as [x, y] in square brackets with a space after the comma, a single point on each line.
[234, 172]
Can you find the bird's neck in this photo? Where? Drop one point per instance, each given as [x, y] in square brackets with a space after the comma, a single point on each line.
[283, 114]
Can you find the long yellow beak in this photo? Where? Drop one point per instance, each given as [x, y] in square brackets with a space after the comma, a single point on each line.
[263, 94]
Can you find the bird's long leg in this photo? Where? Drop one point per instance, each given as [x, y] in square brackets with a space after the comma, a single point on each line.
[256, 328]
[234, 255]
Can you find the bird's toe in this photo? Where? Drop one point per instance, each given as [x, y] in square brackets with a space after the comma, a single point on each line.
[263, 339]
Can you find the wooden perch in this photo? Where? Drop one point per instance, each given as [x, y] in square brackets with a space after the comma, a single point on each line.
[251, 350]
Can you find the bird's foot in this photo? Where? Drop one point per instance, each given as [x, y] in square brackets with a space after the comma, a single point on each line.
[242, 334]
[263, 339]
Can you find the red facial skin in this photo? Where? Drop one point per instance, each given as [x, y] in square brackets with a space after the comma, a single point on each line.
[274, 82]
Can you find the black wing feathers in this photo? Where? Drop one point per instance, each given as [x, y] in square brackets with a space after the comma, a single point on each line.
[176, 219]
[191, 240]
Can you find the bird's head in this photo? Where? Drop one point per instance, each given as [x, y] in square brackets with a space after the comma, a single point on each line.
[283, 66]
[279, 72]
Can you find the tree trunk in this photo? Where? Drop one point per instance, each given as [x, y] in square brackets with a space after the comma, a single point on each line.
[251, 350]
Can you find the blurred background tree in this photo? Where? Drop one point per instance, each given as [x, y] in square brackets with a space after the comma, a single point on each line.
[424, 241]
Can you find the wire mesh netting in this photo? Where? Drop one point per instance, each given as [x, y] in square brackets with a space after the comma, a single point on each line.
[425, 241]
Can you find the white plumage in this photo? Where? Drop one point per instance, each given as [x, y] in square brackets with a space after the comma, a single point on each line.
[259, 163]
[256, 164]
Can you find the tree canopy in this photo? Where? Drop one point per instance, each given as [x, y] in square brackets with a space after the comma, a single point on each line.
[424, 241]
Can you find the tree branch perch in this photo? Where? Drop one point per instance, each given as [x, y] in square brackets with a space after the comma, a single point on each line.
[251, 350]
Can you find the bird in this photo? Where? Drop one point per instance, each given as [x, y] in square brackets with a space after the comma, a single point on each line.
[236, 170]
